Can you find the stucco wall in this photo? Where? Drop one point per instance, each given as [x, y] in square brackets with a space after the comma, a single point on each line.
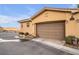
[22, 29]
[54, 16]
[71, 27]
[77, 24]
[49, 16]
[29, 29]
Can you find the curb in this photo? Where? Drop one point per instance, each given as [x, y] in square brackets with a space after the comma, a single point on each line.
[3, 40]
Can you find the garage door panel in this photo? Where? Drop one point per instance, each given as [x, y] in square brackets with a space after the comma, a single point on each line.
[53, 30]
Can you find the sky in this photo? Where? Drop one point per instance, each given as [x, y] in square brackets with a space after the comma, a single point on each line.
[11, 13]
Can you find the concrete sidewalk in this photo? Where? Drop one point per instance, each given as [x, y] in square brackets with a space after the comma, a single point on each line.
[12, 40]
[57, 46]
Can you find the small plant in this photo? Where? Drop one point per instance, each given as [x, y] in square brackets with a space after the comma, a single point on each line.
[77, 39]
[26, 34]
[69, 39]
[21, 33]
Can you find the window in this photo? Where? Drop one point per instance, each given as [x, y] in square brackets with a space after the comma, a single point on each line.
[21, 25]
[27, 24]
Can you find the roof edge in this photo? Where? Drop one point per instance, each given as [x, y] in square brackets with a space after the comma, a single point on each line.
[24, 20]
[49, 8]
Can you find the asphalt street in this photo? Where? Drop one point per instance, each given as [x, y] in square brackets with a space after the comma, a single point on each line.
[26, 48]
[8, 35]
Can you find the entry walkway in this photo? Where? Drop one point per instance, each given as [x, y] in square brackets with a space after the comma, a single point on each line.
[57, 45]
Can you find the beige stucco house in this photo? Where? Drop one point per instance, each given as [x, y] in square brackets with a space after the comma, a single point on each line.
[52, 23]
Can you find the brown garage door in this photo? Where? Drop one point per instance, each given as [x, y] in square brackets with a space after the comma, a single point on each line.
[54, 30]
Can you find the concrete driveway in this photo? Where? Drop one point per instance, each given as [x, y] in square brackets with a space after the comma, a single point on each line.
[28, 48]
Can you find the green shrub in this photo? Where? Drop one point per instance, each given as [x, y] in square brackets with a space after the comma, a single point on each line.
[21, 33]
[69, 39]
[26, 34]
[78, 39]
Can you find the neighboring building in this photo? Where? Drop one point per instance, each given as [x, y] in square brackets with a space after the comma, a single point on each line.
[52, 23]
[1, 29]
[10, 29]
